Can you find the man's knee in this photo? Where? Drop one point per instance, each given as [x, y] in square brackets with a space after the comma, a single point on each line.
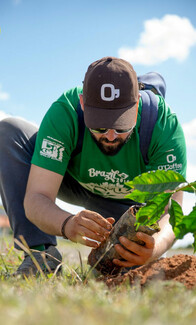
[6, 125]
[12, 125]
[12, 128]
[9, 128]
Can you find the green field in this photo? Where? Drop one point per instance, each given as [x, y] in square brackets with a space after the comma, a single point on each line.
[73, 299]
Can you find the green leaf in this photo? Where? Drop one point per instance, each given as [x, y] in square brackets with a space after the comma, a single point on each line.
[191, 188]
[190, 221]
[176, 220]
[151, 213]
[176, 213]
[157, 181]
[180, 231]
[186, 225]
[140, 197]
[194, 244]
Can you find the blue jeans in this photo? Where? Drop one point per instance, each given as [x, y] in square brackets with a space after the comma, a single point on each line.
[17, 142]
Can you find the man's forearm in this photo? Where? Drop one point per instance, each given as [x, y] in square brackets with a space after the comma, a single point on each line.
[44, 213]
[164, 239]
[82, 227]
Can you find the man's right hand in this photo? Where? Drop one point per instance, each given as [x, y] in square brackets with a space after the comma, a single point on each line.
[40, 208]
[88, 224]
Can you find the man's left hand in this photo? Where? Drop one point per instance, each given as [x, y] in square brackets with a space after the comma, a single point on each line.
[133, 253]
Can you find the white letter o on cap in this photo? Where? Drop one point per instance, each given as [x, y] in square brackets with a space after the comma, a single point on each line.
[115, 93]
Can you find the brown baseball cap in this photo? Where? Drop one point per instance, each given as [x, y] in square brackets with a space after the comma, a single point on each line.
[110, 94]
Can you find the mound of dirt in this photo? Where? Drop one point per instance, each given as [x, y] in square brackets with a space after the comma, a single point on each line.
[180, 268]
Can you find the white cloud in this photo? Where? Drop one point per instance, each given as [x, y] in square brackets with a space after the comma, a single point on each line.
[3, 115]
[3, 94]
[190, 133]
[162, 39]
[190, 137]
[188, 202]
[191, 172]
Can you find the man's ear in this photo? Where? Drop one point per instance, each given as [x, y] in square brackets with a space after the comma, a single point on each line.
[81, 102]
[137, 108]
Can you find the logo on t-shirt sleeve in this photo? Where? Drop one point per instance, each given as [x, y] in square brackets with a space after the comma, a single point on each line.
[171, 162]
[52, 150]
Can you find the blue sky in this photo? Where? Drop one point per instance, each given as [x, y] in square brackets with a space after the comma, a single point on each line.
[47, 45]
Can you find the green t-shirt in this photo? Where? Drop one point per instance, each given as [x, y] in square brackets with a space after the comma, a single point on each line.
[101, 174]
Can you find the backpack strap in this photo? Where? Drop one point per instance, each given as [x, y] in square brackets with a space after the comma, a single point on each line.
[149, 116]
[153, 81]
[81, 129]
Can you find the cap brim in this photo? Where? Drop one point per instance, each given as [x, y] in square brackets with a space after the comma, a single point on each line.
[121, 119]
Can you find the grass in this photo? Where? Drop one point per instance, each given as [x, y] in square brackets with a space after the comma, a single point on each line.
[68, 300]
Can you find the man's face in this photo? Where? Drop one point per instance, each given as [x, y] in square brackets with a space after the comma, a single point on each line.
[111, 143]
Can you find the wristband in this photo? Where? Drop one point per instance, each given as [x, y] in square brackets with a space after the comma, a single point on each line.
[63, 226]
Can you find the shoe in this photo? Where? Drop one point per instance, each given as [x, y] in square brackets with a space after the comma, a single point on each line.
[49, 261]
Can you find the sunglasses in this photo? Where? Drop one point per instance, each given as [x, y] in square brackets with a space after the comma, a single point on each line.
[105, 131]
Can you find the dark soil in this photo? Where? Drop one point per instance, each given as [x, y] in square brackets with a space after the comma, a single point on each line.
[180, 268]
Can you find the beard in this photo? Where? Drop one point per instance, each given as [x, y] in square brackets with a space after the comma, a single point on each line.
[114, 148]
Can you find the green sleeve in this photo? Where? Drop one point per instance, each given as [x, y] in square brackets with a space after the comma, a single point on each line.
[58, 133]
[167, 150]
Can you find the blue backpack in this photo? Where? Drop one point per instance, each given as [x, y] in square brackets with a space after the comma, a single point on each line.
[149, 84]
